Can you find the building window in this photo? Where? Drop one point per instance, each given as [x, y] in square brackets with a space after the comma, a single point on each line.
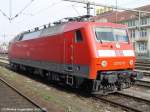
[125, 23]
[142, 46]
[131, 23]
[143, 33]
[143, 21]
[132, 33]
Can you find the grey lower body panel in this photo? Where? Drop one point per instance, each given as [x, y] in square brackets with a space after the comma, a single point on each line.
[76, 70]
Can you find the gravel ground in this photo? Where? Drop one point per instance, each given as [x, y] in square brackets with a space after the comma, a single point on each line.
[55, 99]
[10, 100]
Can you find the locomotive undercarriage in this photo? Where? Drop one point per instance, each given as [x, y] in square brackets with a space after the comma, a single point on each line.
[106, 82]
[112, 81]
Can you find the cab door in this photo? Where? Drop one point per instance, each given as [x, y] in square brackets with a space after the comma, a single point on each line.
[68, 51]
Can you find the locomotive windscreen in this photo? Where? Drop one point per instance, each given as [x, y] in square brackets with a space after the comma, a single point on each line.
[111, 34]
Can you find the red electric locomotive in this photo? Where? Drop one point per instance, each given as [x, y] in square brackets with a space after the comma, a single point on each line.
[92, 55]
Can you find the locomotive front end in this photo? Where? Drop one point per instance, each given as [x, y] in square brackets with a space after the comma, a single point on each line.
[115, 60]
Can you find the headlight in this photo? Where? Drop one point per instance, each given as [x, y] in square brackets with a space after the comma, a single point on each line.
[104, 63]
[131, 62]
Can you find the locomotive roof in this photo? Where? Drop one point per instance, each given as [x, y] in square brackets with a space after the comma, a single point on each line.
[76, 25]
[59, 28]
[72, 26]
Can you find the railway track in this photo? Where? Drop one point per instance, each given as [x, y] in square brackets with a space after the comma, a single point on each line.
[12, 99]
[143, 64]
[140, 67]
[143, 82]
[4, 58]
[145, 72]
[127, 102]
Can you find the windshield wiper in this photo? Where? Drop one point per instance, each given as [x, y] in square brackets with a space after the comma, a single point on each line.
[98, 39]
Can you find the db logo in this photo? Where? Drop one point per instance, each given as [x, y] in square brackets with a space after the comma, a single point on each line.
[117, 45]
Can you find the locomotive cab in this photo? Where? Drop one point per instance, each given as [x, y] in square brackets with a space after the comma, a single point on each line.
[115, 59]
[114, 48]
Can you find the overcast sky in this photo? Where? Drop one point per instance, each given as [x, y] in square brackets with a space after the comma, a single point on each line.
[41, 12]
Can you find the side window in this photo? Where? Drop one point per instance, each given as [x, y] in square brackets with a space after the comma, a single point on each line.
[21, 36]
[78, 36]
[16, 38]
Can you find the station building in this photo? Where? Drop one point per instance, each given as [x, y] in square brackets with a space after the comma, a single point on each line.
[139, 33]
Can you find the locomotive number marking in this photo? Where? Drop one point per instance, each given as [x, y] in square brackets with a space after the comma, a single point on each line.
[119, 53]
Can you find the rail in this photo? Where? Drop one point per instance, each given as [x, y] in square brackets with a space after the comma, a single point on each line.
[21, 94]
[126, 102]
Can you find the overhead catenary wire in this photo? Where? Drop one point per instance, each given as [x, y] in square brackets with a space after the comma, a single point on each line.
[22, 10]
[10, 8]
[73, 7]
[42, 10]
[10, 18]
[133, 2]
[4, 14]
[109, 6]
[48, 7]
